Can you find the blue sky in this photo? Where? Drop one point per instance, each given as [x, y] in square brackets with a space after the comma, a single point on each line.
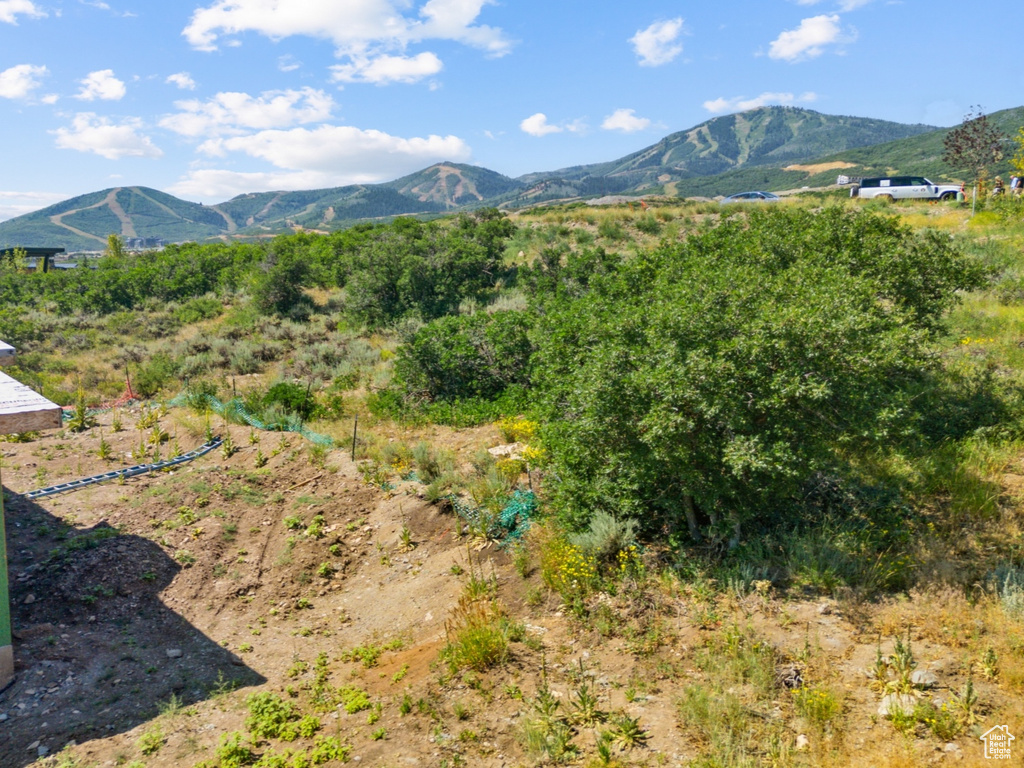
[208, 99]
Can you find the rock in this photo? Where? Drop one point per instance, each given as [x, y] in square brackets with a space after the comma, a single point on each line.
[789, 677]
[33, 745]
[951, 746]
[39, 630]
[902, 702]
[802, 742]
[825, 609]
[29, 599]
[507, 451]
[174, 653]
[924, 678]
[42, 751]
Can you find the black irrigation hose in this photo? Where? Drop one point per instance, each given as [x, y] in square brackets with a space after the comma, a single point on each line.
[138, 469]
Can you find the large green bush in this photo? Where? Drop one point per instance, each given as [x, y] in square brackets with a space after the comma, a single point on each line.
[425, 270]
[697, 386]
[462, 356]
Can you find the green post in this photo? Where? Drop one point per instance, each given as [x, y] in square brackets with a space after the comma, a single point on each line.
[6, 648]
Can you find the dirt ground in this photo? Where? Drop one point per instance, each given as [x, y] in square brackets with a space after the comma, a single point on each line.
[156, 605]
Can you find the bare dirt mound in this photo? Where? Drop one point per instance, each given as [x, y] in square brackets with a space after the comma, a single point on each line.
[148, 613]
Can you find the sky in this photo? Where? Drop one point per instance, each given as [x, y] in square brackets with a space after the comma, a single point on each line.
[208, 99]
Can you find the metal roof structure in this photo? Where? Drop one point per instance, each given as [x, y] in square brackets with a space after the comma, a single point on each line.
[34, 254]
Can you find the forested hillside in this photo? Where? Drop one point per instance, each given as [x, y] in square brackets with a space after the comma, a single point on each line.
[721, 156]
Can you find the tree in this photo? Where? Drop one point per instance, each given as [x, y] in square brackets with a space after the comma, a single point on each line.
[115, 247]
[701, 384]
[277, 284]
[463, 356]
[13, 259]
[425, 270]
[1018, 157]
[973, 145]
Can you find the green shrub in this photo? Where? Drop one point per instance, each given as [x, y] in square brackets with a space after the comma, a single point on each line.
[291, 397]
[353, 699]
[1009, 583]
[195, 310]
[818, 706]
[153, 375]
[151, 741]
[426, 270]
[478, 635]
[432, 463]
[610, 229]
[244, 360]
[605, 537]
[232, 752]
[648, 224]
[466, 356]
[270, 717]
[740, 403]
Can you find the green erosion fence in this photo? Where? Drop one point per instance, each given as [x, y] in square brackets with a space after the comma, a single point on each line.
[235, 410]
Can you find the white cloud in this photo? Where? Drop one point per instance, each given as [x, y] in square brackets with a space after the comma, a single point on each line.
[20, 80]
[100, 5]
[327, 156]
[50, 98]
[658, 44]
[453, 20]
[19, 203]
[742, 104]
[183, 80]
[362, 155]
[101, 85]
[807, 40]
[91, 133]
[625, 120]
[355, 26]
[387, 69]
[214, 185]
[232, 113]
[537, 125]
[288, 63]
[9, 9]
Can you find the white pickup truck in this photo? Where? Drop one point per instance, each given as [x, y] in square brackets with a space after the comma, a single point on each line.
[904, 188]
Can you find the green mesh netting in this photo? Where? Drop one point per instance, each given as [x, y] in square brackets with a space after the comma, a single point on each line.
[509, 525]
[234, 410]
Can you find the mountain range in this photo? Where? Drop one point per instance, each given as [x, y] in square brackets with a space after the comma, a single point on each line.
[771, 148]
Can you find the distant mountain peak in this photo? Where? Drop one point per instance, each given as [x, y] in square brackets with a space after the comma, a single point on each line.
[768, 147]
